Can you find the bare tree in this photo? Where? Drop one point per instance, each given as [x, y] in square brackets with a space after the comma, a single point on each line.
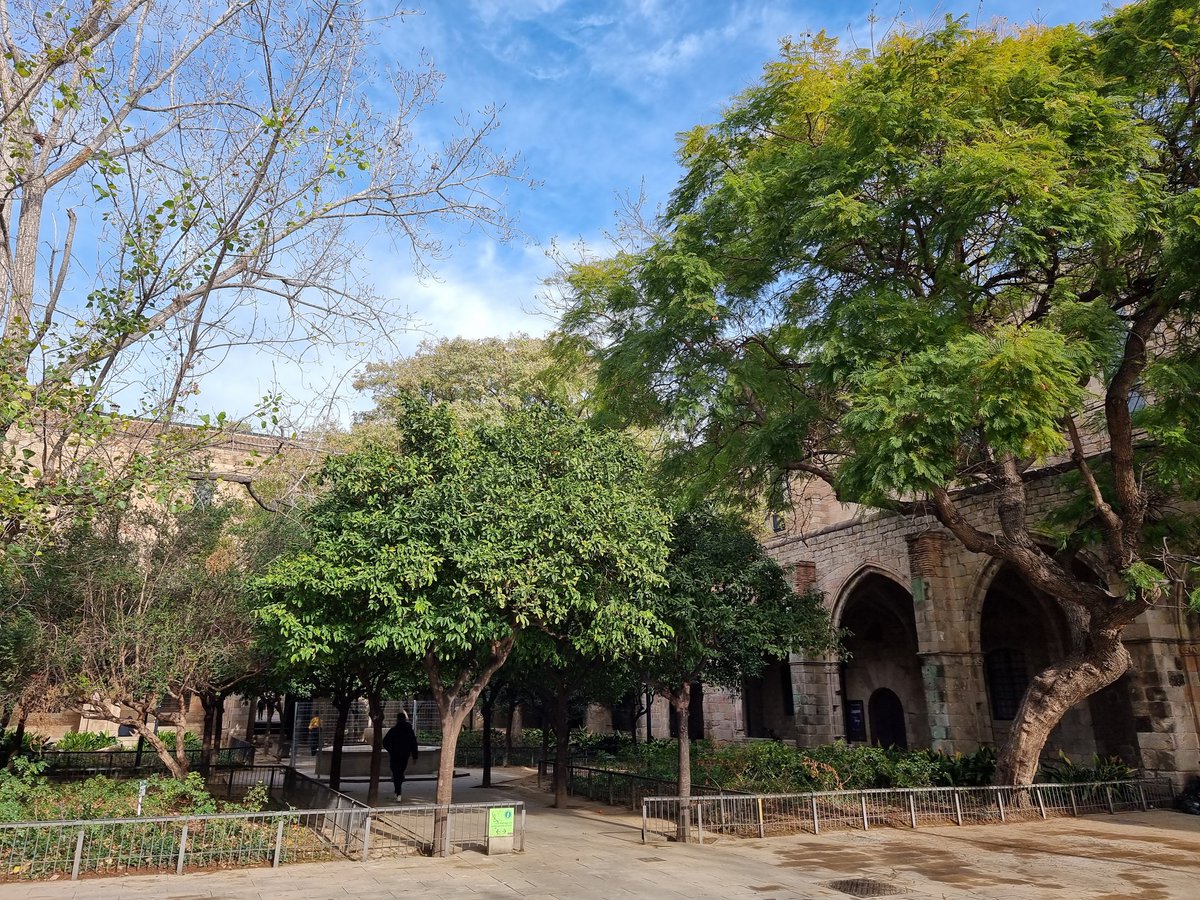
[179, 178]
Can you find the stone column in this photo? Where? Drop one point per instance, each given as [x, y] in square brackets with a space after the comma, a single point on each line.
[1164, 687]
[816, 692]
[951, 669]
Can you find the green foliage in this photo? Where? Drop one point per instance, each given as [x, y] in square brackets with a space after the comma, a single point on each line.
[729, 607]
[191, 741]
[1065, 771]
[84, 740]
[26, 795]
[456, 537]
[32, 743]
[776, 767]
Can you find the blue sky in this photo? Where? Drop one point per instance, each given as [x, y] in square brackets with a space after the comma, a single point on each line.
[593, 94]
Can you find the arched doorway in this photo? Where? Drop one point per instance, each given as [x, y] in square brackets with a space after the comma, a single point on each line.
[882, 695]
[886, 715]
[1021, 631]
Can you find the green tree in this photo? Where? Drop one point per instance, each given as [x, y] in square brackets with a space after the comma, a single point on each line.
[450, 543]
[731, 612]
[142, 611]
[920, 270]
[478, 378]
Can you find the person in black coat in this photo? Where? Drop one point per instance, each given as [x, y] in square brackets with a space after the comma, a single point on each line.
[401, 744]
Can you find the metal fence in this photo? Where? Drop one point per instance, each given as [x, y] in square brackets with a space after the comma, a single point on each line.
[129, 763]
[350, 830]
[704, 818]
[472, 757]
[617, 788]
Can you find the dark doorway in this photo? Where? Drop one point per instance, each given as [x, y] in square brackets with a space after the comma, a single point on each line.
[886, 715]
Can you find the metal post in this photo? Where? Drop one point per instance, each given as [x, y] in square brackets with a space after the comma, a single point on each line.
[1000, 803]
[1108, 796]
[762, 825]
[957, 808]
[863, 800]
[643, 820]
[1142, 796]
[366, 853]
[700, 821]
[523, 829]
[1041, 805]
[78, 855]
[912, 808]
[816, 819]
[610, 789]
[277, 856]
[1074, 806]
[183, 835]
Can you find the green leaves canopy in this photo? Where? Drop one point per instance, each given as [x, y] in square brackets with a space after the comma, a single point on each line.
[454, 538]
[885, 269]
[729, 606]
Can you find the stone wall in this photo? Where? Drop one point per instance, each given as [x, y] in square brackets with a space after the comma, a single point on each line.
[1150, 716]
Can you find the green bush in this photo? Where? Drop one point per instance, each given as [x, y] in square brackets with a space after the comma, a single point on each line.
[31, 742]
[81, 741]
[1065, 771]
[191, 741]
[773, 766]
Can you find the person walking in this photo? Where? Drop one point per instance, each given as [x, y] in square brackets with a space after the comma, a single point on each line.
[314, 734]
[401, 744]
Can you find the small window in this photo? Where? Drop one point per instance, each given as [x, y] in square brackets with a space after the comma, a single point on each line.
[777, 523]
[1007, 679]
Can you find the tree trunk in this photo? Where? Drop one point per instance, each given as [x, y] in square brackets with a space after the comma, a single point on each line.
[339, 738]
[1051, 694]
[562, 748]
[508, 732]
[649, 706]
[452, 724]
[251, 717]
[178, 770]
[681, 701]
[219, 720]
[375, 706]
[488, 706]
[18, 738]
[209, 702]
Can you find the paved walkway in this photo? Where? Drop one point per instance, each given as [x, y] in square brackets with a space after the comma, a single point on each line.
[590, 851]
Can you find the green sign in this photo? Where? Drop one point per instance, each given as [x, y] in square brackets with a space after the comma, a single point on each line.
[500, 822]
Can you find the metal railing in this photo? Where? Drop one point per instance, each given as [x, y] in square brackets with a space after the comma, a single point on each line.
[619, 788]
[472, 757]
[350, 830]
[127, 763]
[702, 818]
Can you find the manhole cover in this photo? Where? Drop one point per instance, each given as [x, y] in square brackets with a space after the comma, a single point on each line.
[864, 887]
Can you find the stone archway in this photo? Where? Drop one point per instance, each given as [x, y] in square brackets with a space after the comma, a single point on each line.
[1021, 631]
[881, 644]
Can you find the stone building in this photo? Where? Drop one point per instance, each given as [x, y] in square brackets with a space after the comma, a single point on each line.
[941, 644]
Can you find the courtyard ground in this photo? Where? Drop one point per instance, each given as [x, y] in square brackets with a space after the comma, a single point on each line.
[591, 851]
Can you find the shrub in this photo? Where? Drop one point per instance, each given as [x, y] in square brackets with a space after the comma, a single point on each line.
[191, 741]
[1065, 771]
[82, 741]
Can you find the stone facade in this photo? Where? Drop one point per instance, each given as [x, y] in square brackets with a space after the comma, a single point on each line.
[942, 643]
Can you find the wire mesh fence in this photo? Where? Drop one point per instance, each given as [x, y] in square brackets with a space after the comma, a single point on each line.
[702, 818]
[316, 721]
[345, 830]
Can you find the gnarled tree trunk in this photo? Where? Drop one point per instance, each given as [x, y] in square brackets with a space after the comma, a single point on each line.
[1051, 694]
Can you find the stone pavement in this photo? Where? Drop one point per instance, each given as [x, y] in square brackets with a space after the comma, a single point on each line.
[589, 851]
